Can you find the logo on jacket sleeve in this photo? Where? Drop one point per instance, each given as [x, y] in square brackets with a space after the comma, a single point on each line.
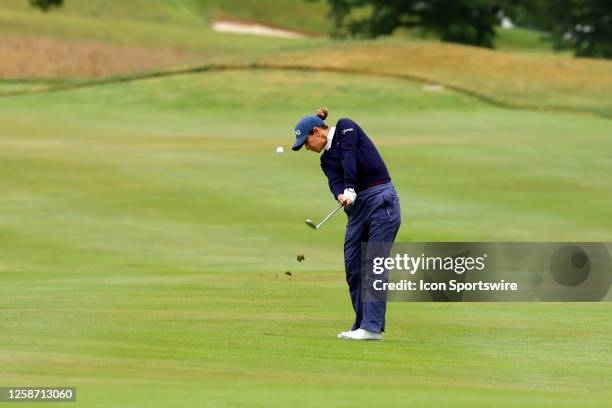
[347, 130]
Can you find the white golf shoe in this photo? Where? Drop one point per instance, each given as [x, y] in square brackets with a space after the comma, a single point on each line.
[360, 334]
[342, 334]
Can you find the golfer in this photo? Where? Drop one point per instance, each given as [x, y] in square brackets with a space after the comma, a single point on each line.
[357, 177]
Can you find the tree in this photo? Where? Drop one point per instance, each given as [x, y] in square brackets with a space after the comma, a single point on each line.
[464, 21]
[582, 25]
[46, 5]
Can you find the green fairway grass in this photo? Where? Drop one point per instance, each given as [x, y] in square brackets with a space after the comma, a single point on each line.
[146, 229]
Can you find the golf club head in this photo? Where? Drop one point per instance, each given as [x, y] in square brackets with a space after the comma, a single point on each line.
[311, 224]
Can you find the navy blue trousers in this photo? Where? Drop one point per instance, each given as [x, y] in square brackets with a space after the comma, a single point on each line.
[373, 217]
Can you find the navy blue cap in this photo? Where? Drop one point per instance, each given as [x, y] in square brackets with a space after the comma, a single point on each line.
[304, 127]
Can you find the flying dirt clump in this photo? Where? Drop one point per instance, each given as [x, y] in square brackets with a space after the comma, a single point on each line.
[301, 258]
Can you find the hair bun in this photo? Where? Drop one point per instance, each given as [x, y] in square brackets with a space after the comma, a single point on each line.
[322, 113]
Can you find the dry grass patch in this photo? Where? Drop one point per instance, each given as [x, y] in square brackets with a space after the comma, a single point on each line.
[520, 80]
[37, 57]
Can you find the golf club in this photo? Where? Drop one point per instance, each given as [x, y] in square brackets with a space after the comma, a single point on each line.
[311, 223]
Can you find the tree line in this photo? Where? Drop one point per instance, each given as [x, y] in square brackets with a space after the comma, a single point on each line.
[582, 25]
[46, 5]
[585, 26]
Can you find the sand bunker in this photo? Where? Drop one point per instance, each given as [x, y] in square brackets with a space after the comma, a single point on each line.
[253, 29]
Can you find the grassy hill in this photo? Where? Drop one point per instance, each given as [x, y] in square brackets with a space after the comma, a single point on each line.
[527, 81]
[133, 37]
[120, 37]
[299, 15]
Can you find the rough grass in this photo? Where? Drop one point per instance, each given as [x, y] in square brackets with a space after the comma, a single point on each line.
[39, 57]
[516, 80]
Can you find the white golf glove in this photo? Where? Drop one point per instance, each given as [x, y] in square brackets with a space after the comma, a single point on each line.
[350, 193]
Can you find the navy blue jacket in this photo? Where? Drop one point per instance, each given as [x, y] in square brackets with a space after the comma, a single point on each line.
[352, 161]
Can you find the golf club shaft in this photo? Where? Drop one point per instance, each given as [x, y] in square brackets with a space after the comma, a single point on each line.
[330, 215]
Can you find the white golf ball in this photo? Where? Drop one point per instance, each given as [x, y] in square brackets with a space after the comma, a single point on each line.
[280, 150]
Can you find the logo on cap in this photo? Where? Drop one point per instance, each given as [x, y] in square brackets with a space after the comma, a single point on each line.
[297, 132]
